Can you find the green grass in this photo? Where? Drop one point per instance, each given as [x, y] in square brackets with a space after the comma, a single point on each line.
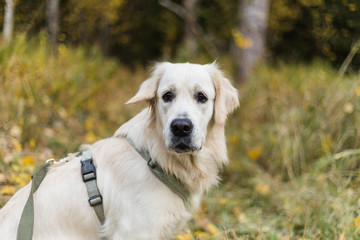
[294, 143]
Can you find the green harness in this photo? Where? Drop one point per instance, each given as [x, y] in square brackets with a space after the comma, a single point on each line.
[169, 180]
[26, 225]
[88, 172]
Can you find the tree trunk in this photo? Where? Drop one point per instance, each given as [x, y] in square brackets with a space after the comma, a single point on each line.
[251, 31]
[192, 29]
[9, 20]
[52, 17]
[190, 42]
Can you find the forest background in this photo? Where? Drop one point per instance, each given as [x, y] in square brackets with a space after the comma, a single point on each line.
[294, 142]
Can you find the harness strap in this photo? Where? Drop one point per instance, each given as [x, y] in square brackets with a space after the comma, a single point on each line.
[171, 181]
[26, 225]
[88, 173]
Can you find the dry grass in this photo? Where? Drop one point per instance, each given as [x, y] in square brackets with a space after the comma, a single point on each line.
[294, 143]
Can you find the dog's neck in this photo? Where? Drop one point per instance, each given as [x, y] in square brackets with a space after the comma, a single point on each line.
[198, 170]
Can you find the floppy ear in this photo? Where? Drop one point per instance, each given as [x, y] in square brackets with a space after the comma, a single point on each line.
[226, 99]
[148, 88]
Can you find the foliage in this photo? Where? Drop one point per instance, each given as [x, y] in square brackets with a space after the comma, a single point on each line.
[294, 142]
[217, 18]
[138, 31]
[303, 29]
[144, 32]
[295, 150]
[309, 111]
[46, 103]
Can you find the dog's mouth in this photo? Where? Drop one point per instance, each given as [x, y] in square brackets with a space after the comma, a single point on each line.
[183, 146]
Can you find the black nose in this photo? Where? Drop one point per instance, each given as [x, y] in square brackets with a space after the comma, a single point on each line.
[181, 127]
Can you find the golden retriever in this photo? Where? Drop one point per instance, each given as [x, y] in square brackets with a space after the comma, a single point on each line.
[182, 130]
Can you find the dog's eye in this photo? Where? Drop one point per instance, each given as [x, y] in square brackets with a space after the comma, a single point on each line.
[201, 98]
[168, 97]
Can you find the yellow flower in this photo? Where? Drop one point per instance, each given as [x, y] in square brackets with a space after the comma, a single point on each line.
[32, 143]
[8, 190]
[240, 40]
[255, 153]
[352, 7]
[211, 228]
[223, 201]
[185, 236]
[357, 223]
[20, 179]
[90, 137]
[357, 91]
[234, 139]
[28, 160]
[262, 189]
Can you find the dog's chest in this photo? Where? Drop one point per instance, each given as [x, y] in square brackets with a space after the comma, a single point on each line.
[147, 212]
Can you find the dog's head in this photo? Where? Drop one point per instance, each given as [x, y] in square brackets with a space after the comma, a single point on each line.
[186, 99]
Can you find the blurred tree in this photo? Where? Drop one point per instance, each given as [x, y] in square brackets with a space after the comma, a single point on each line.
[139, 31]
[217, 18]
[52, 17]
[9, 20]
[90, 21]
[250, 36]
[145, 31]
[190, 18]
[191, 28]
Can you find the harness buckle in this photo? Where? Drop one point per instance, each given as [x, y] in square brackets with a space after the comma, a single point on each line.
[152, 165]
[95, 200]
[88, 170]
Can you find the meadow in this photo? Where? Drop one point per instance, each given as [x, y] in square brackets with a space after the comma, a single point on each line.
[294, 143]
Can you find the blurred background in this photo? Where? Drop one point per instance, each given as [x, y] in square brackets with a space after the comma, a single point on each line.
[67, 67]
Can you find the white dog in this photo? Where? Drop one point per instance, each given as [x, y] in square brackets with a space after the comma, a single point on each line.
[183, 133]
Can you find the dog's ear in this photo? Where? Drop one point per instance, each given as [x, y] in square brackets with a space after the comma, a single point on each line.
[148, 88]
[226, 99]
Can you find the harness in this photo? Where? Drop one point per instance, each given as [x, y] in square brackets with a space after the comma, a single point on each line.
[88, 172]
[168, 179]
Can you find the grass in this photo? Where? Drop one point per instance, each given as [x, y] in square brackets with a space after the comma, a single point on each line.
[294, 143]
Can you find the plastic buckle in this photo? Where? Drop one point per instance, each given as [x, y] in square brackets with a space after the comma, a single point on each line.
[95, 200]
[152, 165]
[88, 170]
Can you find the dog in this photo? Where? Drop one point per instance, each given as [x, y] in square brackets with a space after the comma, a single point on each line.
[182, 130]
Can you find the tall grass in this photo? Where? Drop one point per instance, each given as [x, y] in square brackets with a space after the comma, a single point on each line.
[296, 114]
[47, 103]
[295, 147]
[294, 143]
[43, 97]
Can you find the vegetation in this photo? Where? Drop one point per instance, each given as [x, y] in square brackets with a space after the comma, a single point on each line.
[139, 31]
[294, 143]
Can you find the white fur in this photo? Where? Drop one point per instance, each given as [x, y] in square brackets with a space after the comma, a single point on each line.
[137, 205]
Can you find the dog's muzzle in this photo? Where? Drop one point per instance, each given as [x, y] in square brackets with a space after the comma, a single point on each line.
[181, 129]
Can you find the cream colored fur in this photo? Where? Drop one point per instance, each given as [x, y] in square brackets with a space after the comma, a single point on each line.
[137, 205]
